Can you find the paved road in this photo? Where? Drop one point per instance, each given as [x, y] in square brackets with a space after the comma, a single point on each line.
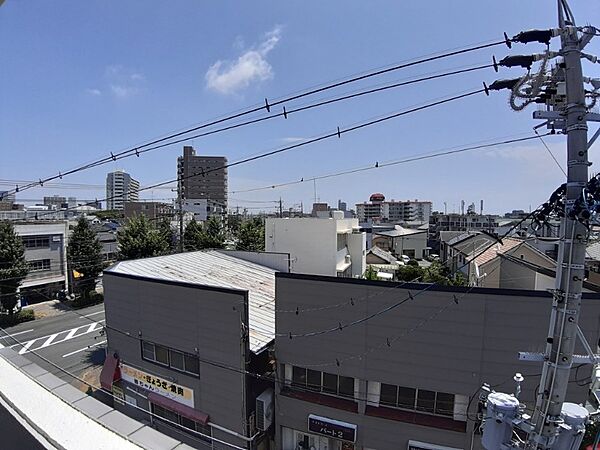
[74, 341]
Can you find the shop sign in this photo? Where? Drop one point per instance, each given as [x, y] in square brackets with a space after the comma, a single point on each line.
[332, 428]
[118, 394]
[157, 384]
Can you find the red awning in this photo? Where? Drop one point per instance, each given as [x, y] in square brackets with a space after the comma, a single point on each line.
[110, 371]
[182, 410]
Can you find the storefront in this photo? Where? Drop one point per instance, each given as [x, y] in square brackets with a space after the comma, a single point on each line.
[322, 433]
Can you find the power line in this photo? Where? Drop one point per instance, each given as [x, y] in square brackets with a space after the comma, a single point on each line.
[267, 106]
[550, 152]
[378, 165]
[338, 133]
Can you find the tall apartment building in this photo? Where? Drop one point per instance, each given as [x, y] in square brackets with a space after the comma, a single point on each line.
[203, 178]
[377, 209]
[120, 188]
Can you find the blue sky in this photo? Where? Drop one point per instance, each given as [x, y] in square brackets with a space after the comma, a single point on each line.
[81, 79]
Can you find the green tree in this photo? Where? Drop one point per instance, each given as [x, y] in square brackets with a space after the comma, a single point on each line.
[410, 273]
[193, 236]
[85, 256]
[13, 266]
[140, 239]
[440, 274]
[234, 223]
[214, 233]
[370, 273]
[251, 235]
[168, 234]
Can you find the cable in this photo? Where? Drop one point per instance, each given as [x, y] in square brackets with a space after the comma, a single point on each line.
[267, 106]
[322, 137]
[378, 165]
[550, 152]
[213, 439]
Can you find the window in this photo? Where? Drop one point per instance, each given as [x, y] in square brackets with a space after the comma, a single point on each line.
[184, 422]
[426, 401]
[388, 395]
[36, 241]
[39, 265]
[176, 359]
[162, 354]
[183, 362]
[422, 400]
[148, 351]
[192, 364]
[327, 383]
[299, 376]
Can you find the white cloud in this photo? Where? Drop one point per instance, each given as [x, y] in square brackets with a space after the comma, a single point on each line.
[292, 140]
[228, 77]
[94, 92]
[121, 91]
[123, 82]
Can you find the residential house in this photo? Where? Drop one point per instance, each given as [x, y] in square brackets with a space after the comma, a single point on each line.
[403, 241]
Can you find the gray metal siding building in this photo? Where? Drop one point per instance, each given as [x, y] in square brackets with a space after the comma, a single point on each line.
[186, 322]
[434, 352]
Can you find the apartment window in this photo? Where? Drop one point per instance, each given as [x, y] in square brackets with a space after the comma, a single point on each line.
[39, 265]
[422, 400]
[324, 382]
[183, 362]
[189, 424]
[36, 241]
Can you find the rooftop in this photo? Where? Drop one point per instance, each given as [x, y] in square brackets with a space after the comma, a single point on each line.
[212, 268]
[399, 231]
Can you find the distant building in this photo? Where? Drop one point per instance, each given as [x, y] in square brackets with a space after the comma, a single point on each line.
[46, 253]
[56, 201]
[152, 210]
[6, 201]
[325, 246]
[379, 210]
[342, 206]
[120, 188]
[319, 208]
[402, 241]
[202, 178]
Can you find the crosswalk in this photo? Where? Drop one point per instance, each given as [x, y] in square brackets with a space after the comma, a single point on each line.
[56, 338]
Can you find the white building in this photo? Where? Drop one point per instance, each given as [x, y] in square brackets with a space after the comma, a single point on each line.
[120, 188]
[46, 252]
[320, 246]
[379, 210]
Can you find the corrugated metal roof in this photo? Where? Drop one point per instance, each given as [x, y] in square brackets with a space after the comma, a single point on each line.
[212, 268]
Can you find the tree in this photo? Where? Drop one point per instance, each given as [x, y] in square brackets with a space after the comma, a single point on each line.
[251, 235]
[85, 256]
[214, 233]
[168, 234]
[370, 273]
[140, 239]
[193, 236]
[13, 266]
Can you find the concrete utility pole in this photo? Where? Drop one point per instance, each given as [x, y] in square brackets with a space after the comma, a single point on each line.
[566, 304]
[280, 208]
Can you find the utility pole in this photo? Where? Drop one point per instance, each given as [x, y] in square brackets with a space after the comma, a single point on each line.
[566, 304]
[280, 208]
[554, 424]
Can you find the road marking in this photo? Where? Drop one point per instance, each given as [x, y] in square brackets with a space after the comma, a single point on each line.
[92, 314]
[83, 349]
[51, 339]
[15, 334]
[25, 348]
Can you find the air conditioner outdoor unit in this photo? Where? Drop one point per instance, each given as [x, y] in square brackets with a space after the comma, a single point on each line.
[264, 410]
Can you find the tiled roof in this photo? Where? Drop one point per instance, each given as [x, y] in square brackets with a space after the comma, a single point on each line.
[386, 256]
[212, 268]
[496, 249]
